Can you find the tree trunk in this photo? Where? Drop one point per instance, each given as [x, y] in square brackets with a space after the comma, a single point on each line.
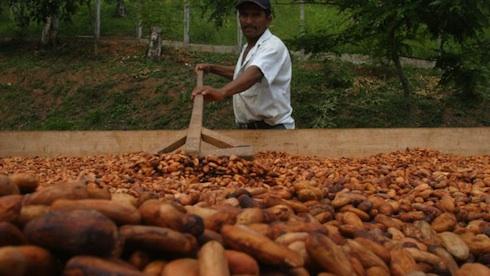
[139, 29]
[121, 10]
[401, 75]
[155, 45]
[50, 31]
[441, 40]
[395, 57]
[187, 17]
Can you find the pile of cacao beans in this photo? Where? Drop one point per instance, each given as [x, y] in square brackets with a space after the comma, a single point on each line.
[412, 212]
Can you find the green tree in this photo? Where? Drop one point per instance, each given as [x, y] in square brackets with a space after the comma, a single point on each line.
[21, 15]
[387, 25]
[466, 67]
[155, 12]
[217, 9]
[464, 48]
[46, 12]
[120, 7]
[390, 26]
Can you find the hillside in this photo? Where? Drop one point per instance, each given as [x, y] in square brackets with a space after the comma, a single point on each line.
[72, 87]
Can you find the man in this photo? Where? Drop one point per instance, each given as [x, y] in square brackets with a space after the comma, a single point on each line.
[261, 79]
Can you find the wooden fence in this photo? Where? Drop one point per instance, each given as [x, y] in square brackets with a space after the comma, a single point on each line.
[187, 18]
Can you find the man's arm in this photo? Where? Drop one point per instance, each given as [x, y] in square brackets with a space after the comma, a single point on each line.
[220, 70]
[246, 80]
[251, 76]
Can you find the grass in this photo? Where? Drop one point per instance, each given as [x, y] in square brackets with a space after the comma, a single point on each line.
[72, 88]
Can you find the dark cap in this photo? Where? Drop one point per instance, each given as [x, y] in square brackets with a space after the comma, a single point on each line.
[265, 4]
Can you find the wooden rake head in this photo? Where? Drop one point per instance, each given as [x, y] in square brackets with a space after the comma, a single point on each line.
[196, 134]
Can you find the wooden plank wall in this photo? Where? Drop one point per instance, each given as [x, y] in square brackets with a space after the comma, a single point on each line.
[319, 142]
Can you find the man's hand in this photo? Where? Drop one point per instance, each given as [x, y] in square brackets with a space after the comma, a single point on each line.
[205, 67]
[220, 70]
[209, 93]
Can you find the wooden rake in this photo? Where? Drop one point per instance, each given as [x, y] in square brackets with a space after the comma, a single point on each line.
[191, 142]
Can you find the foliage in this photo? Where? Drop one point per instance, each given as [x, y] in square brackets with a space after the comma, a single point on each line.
[155, 13]
[70, 88]
[466, 60]
[467, 68]
[460, 19]
[47, 12]
[40, 9]
[452, 31]
[315, 42]
[21, 13]
[392, 28]
[338, 75]
[388, 24]
[325, 109]
[218, 10]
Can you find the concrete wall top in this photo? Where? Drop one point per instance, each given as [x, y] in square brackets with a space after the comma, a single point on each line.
[314, 142]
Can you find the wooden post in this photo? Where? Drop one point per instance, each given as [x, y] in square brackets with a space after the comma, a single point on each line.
[302, 17]
[187, 17]
[155, 44]
[239, 34]
[97, 20]
[139, 19]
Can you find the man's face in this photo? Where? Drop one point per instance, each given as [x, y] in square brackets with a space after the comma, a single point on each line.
[253, 20]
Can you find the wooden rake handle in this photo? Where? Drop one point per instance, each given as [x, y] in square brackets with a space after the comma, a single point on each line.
[198, 103]
[200, 78]
[193, 141]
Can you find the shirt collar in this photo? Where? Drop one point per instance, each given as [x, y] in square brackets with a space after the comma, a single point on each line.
[265, 36]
